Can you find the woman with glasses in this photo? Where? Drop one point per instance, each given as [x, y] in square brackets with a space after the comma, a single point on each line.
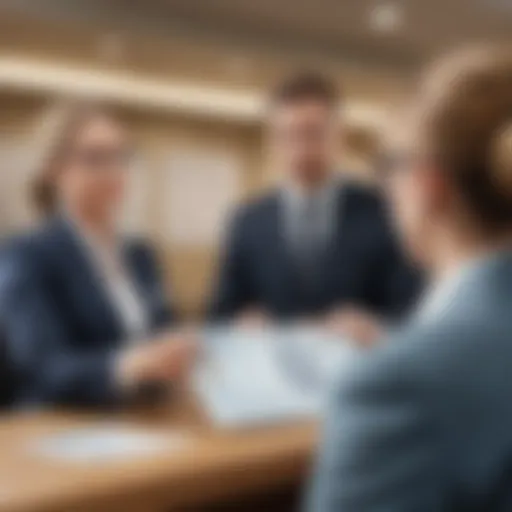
[85, 313]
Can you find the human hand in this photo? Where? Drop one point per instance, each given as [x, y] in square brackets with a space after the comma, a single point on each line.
[356, 324]
[169, 358]
[252, 318]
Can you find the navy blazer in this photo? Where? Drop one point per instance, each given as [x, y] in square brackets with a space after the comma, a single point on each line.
[362, 266]
[60, 327]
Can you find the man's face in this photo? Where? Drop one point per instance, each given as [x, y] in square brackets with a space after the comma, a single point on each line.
[303, 137]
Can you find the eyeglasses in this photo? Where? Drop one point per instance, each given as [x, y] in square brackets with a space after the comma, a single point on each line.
[99, 158]
[391, 163]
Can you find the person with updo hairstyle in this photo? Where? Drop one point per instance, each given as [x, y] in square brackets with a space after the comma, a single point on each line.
[84, 311]
[424, 420]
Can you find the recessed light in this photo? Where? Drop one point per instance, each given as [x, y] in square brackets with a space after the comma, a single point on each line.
[386, 17]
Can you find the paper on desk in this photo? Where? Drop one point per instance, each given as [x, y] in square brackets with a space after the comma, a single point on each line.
[315, 354]
[108, 442]
[265, 376]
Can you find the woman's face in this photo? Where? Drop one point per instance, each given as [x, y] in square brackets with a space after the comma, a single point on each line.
[410, 190]
[93, 176]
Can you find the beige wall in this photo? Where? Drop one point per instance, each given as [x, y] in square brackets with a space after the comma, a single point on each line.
[191, 267]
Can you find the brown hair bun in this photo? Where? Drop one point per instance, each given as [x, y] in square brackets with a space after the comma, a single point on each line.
[501, 159]
[465, 125]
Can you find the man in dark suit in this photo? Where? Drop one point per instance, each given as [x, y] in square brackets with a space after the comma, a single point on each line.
[317, 246]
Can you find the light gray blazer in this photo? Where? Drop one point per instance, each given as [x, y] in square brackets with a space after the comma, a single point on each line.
[424, 422]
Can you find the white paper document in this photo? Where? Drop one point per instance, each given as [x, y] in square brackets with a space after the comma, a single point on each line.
[255, 377]
[105, 443]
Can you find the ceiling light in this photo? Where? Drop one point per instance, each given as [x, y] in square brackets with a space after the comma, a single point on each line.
[386, 17]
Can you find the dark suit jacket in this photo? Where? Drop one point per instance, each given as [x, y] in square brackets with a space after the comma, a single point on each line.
[423, 422]
[60, 327]
[8, 383]
[362, 266]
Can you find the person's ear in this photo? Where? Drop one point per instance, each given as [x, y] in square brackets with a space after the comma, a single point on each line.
[437, 187]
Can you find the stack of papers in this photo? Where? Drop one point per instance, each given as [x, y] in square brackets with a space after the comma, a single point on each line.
[249, 377]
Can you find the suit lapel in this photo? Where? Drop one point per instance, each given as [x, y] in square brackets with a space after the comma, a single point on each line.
[85, 278]
[140, 277]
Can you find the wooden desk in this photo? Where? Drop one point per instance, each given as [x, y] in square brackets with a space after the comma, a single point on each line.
[212, 466]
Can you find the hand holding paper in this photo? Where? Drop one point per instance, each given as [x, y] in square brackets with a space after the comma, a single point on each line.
[251, 377]
[355, 324]
[167, 359]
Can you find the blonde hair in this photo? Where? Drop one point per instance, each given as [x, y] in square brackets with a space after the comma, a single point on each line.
[465, 123]
[54, 137]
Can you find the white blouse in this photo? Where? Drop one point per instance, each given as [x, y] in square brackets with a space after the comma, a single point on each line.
[109, 264]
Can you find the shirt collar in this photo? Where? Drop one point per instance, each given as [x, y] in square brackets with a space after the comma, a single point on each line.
[102, 253]
[295, 195]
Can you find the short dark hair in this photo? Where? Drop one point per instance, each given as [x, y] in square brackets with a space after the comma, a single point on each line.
[305, 85]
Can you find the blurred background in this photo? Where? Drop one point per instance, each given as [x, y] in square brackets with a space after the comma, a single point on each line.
[190, 78]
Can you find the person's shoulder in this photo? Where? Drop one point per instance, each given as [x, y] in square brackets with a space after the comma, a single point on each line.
[31, 244]
[365, 197]
[42, 247]
[422, 357]
[25, 254]
[141, 247]
[365, 206]
[138, 243]
[254, 208]
[259, 203]
[413, 358]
